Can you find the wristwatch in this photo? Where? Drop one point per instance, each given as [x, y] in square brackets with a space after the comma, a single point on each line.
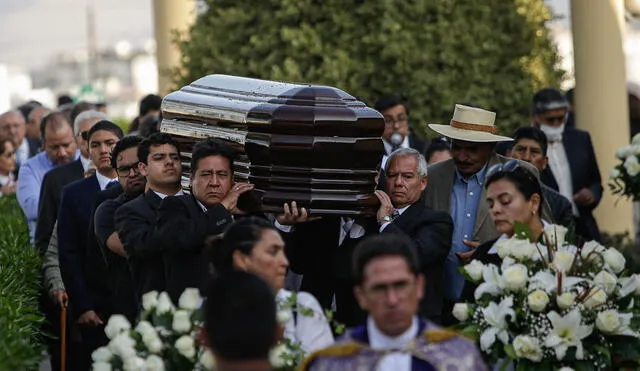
[385, 219]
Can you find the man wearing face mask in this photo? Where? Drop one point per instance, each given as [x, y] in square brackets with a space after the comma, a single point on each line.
[572, 170]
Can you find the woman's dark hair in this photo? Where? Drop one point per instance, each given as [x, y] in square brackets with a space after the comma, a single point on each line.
[3, 145]
[241, 235]
[515, 172]
[437, 145]
[387, 244]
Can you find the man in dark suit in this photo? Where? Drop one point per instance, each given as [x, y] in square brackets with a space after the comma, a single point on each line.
[397, 131]
[402, 211]
[160, 164]
[73, 226]
[573, 169]
[205, 212]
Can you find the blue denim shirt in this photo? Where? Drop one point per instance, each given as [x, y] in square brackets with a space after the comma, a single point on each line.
[465, 199]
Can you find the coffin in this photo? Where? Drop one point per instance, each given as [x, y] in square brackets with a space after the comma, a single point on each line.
[315, 145]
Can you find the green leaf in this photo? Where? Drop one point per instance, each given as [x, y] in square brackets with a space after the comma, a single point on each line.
[508, 348]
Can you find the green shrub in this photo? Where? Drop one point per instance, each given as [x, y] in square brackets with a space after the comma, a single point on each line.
[20, 266]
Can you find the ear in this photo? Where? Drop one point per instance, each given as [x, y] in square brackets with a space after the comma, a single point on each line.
[535, 202]
[143, 168]
[240, 261]
[545, 162]
[359, 294]
[423, 183]
[420, 282]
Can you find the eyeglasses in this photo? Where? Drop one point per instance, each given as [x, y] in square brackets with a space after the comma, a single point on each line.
[389, 121]
[125, 170]
[511, 166]
[554, 119]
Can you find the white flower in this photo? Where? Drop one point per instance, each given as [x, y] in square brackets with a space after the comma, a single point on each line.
[566, 369]
[461, 311]
[101, 366]
[507, 262]
[567, 332]
[549, 281]
[144, 327]
[605, 281]
[474, 270]
[614, 173]
[538, 300]
[186, 346]
[623, 152]
[595, 298]
[102, 354]
[207, 360]
[150, 300]
[635, 140]
[612, 322]
[122, 345]
[632, 165]
[164, 304]
[283, 316]
[629, 285]
[277, 356]
[181, 321]
[555, 234]
[515, 277]
[522, 249]
[591, 251]
[496, 317]
[190, 299]
[565, 300]
[492, 284]
[133, 364]
[614, 259]
[527, 347]
[154, 363]
[152, 341]
[563, 260]
[503, 247]
[117, 324]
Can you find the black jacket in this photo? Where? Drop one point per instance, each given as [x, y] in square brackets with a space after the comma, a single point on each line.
[560, 207]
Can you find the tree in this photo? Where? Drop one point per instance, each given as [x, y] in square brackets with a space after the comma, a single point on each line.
[493, 53]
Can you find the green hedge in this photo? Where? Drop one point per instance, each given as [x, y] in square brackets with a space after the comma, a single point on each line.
[20, 266]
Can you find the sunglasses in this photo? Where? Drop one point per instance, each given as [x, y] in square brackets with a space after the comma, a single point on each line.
[512, 167]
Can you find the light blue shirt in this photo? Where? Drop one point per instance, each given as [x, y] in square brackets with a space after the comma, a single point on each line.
[30, 179]
[465, 199]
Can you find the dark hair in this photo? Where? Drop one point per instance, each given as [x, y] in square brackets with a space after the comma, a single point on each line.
[64, 99]
[240, 317]
[149, 125]
[437, 145]
[211, 147]
[105, 126]
[532, 133]
[78, 108]
[26, 108]
[150, 102]
[521, 177]
[548, 99]
[56, 119]
[242, 235]
[390, 100]
[124, 144]
[3, 145]
[154, 140]
[387, 244]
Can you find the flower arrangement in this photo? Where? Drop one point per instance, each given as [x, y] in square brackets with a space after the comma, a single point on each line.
[552, 305]
[624, 179]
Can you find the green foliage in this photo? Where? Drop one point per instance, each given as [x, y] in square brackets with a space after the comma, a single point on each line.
[493, 53]
[20, 266]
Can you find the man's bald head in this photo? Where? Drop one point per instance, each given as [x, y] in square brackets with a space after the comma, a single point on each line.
[58, 139]
[13, 127]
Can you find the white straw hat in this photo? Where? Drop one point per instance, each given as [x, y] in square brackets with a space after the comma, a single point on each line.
[471, 124]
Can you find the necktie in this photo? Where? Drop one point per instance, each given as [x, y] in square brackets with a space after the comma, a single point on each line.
[111, 184]
[395, 214]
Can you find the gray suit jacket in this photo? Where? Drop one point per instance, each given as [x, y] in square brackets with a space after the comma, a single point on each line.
[440, 185]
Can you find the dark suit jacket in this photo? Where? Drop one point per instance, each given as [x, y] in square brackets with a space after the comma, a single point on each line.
[50, 194]
[560, 207]
[183, 228]
[418, 144]
[73, 226]
[135, 223]
[432, 232]
[584, 174]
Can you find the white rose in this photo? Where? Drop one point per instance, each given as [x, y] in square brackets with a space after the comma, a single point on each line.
[527, 347]
[614, 173]
[461, 311]
[181, 321]
[474, 270]
[133, 364]
[565, 300]
[122, 345]
[555, 234]
[629, 285]
[632, 165]
[283, 316]
[101, 366]
[276, 356]
[186, 346]
[164, 304]
[503, 247]
[102, 354]
[591, 251]
[614, 259]
[506, 263]
[523, 250]
[566, 369]
[515, 277]
[605, 281]
[623, 152]
[207, 360]
[635, 140]
[150, 300]
[595, 298]
[563, 260]
[117, 324]
[144, 327]
[538, 300]
[152, 341]
[190, 299]
[608, 321]
[154, 363]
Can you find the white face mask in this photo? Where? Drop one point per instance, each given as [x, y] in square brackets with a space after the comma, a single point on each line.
[552, 132]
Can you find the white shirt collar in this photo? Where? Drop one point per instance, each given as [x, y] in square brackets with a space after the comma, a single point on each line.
[85, 163]
[103, 180]
[378, 340]
[6, 179]
[204, 208]
[388, 146]
[162, 195]
[400, 211]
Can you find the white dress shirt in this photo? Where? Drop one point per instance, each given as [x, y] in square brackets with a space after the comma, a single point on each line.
[22, 152]
[85, 163]
[561, 171]
[400, 211]
[396, 360]
[163, 196]
[103, 180]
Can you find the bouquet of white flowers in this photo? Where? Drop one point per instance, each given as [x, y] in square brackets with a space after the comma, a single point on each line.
[552, 304]
[624, 179]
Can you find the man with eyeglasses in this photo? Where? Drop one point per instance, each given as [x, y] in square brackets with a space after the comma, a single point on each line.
[573, 169]
[389, 285]
[397, 132]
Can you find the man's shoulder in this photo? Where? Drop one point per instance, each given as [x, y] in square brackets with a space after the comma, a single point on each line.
[576, 133]
[134, 206]
[435, 216]
[62, 172]
[441, 167]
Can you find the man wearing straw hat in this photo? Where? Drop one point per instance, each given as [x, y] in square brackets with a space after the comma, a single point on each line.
[456, 186]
